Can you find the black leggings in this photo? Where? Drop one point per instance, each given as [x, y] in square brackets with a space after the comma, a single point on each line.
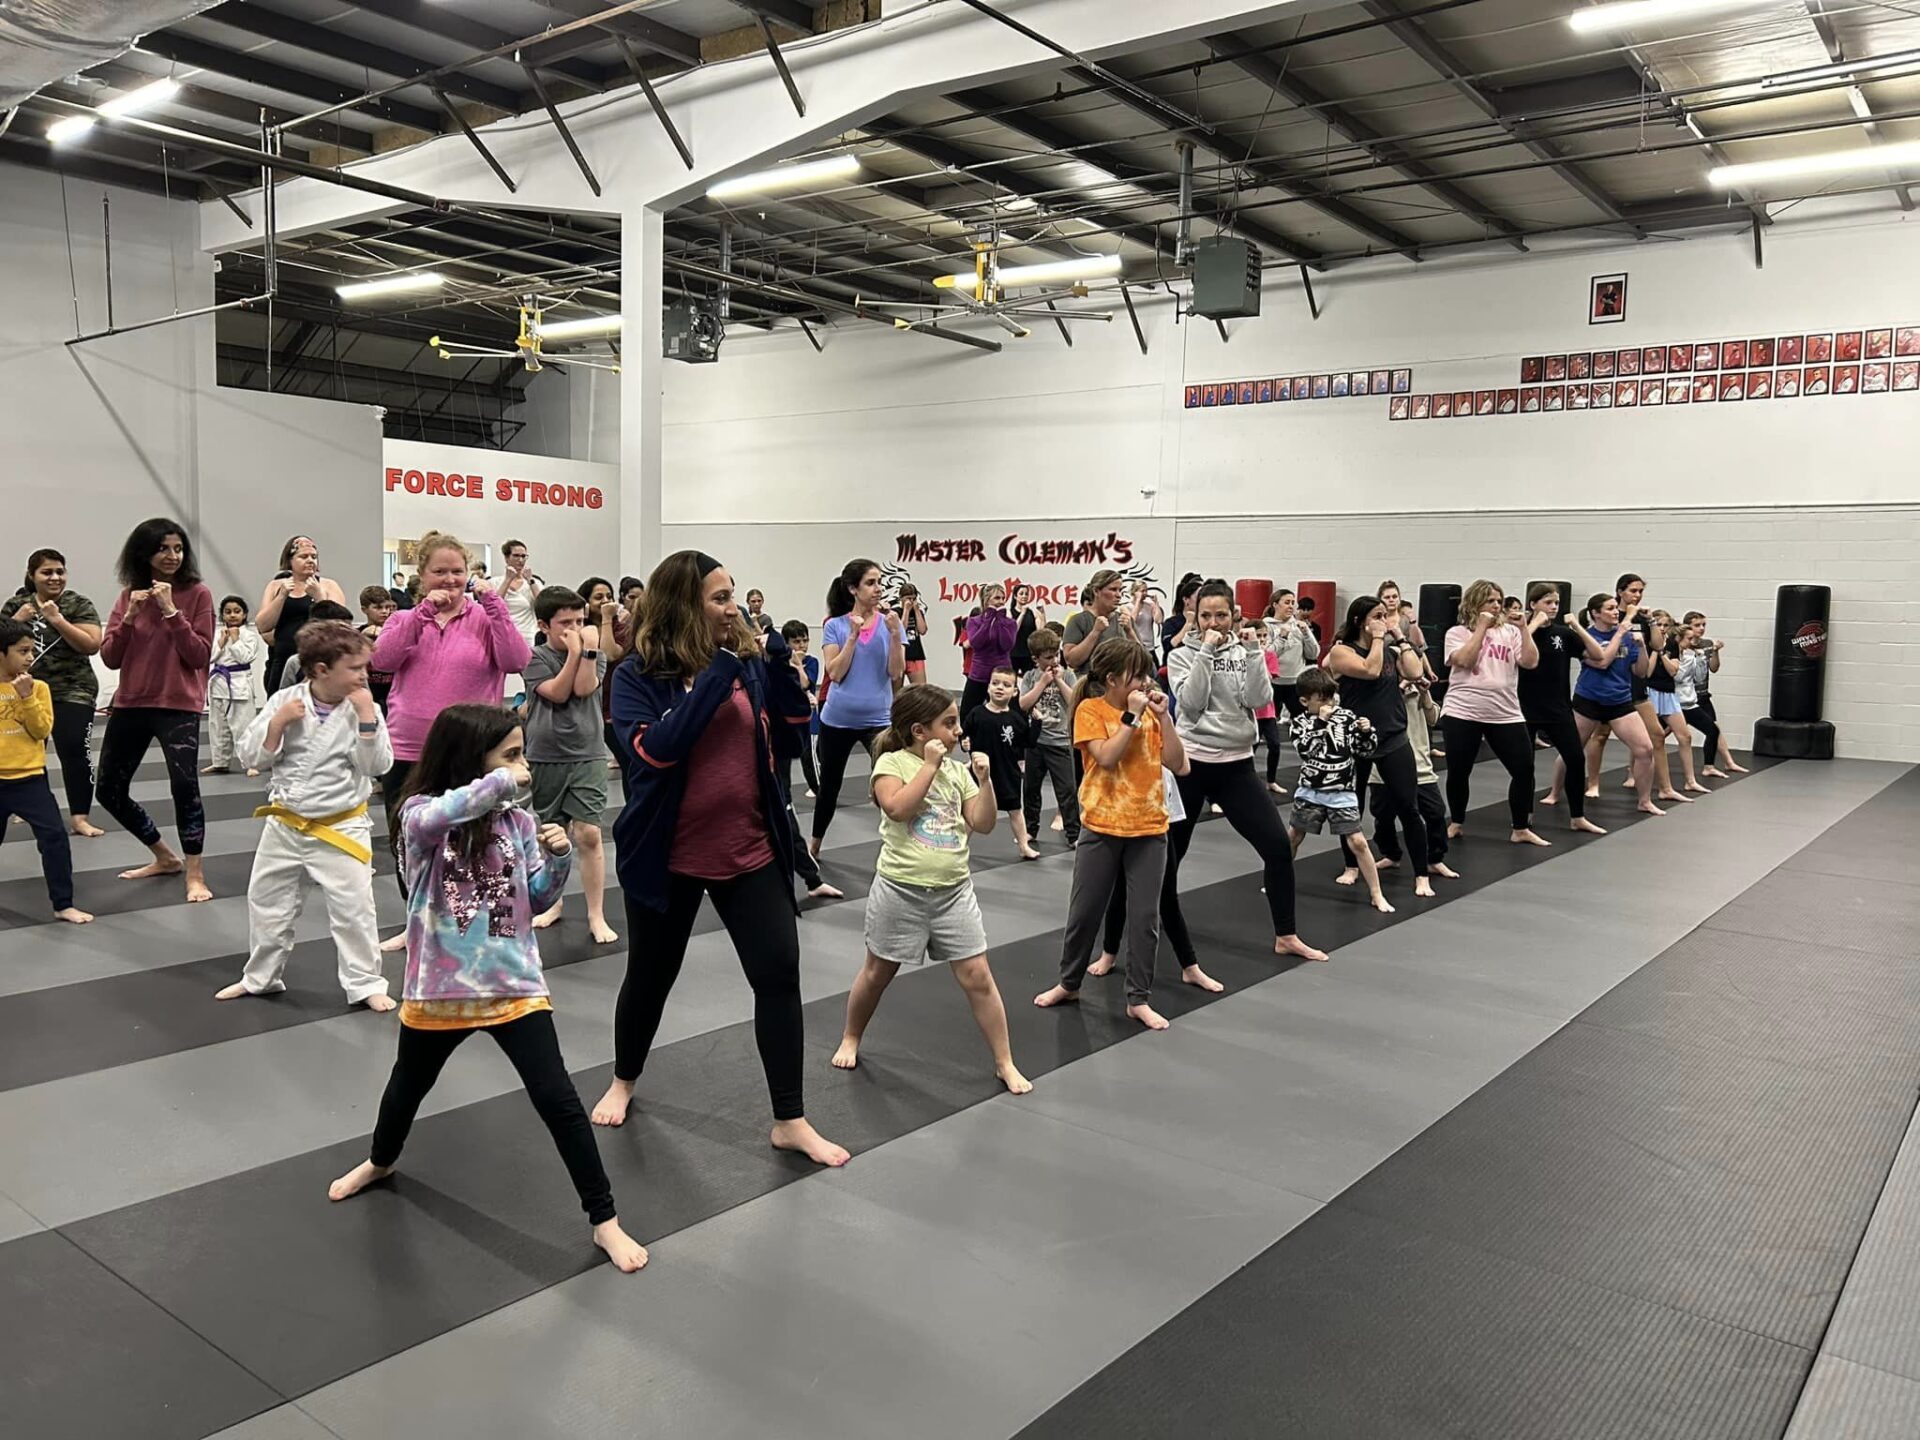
[1701, 717]
[1510, 747]
[835, 746]
[129, 733]
[1271, 733]
[1400, 782]
[757, 909]
[73, 743]
[973, 693]
[1432, 815]
[1564, 736]
[534, 1051]
[32, 800]
[1248, 808]
[391, 784]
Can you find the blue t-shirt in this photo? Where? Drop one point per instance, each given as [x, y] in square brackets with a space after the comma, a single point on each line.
[1613, 685]
[862, 699]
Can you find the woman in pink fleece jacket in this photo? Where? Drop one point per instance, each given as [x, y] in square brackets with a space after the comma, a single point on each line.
[456, 647]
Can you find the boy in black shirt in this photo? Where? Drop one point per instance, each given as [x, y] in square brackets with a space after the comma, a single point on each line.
[998, 731]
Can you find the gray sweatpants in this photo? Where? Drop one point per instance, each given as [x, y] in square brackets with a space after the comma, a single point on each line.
[1096, 864]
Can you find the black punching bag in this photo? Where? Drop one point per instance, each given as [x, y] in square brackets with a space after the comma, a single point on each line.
[1439, 612]
[1792, 727]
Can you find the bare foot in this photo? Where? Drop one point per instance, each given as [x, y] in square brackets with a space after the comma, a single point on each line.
[848, 1055]
[357, 1179]
[1148, 1016]
[1527, 837]
[1713, 772]
[1697, 788]
[602, 933]
[1276, 787]
[626, 1253]
[251, 774]
[1627, 784]
[1444, 871]
[1675, 796]
[1647, 807]
[824, 891]
[1582, 823]
[72, 916]
[235, 991]
[813, 847]
[168, 866]
[1010, 1076]
[216, 770]
[1347, 877]
[1550, 798]
[381, 1003]
[1294, 945]
[1380, 904]
[548, 919]
[1102, 966]
[393, 943]
[1454, 832]
[1384, 864]
[800, 1137]
[1198, 978]
[1058, 995]
[85, 828]
[612, 1107]
[1592, 792]
[197, 891]
[1736, 767]
[1029, 853]
[1058, 824]
[1423, 889]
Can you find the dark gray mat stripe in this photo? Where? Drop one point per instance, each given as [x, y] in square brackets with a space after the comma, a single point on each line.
[1639, 1230]
[482, 1214]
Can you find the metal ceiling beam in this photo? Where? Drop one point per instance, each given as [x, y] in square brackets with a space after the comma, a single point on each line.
[654, 103]
[19, 148]
[790, 13]
[566, 135]
[875, 288]
[360, 371]
[447, 23]
[1615, 85]
[337, 45]
[1409, 33]
[1044, 133]
[650, 33]
[1296, 91]
[250, 69]
[1857, 100]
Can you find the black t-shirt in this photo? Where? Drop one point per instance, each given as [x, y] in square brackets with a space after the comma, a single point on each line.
[1022, 658]
[1662, 679]
[1001, 736]
[1379, 699]
[1545, 690]
[1643, 627]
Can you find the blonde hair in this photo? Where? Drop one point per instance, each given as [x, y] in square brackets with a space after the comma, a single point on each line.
[1476, 598]
[433, 542]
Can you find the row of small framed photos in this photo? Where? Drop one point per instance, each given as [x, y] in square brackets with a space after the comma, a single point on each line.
[1299, 387]
[1876, 378]
[1843, 346]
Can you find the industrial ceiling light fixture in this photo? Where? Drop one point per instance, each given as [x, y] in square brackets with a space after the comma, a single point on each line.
[1050, 272]
[533, 334]
[134, 101]
[1904, 156]
[391, 285]
[983, 290]
[783, 178]
[1631, 14]
[578, 329]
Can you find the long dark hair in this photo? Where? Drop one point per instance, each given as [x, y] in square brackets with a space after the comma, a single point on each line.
[36, 560]
[673, 636]
[1357, 612]
[840, 593]
[455, 754]
[135, 565]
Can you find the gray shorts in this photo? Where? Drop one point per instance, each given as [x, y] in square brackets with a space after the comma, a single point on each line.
[911, 926]
[1308, 817]
[563, 791]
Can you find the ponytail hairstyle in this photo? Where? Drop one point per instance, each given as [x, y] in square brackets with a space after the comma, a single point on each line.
[1215, 590]
[1476, 598]
[841, 591]
[454, 754]
[1595, 604]
[1355, 630]
[1120, 658]
[915, 705]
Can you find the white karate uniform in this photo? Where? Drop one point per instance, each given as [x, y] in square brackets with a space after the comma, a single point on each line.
[230, 697]
[323, 768]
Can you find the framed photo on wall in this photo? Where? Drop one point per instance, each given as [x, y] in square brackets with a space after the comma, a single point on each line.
[1607, 299]
[1759, 384]
[1530, 400]
[1906, 374]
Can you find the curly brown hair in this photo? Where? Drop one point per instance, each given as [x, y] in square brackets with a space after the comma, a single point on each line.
[672, 635]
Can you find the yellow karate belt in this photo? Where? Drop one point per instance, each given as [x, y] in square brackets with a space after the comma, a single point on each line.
[321, 828]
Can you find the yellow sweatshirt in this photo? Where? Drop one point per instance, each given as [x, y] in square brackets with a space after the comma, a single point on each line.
[24, 727]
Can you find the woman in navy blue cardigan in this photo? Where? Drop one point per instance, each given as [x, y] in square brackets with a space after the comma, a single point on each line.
[695, 707]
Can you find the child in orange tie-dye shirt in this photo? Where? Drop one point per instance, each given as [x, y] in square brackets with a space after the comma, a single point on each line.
[1123, 818]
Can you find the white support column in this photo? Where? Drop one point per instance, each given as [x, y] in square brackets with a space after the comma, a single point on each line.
[642, 377]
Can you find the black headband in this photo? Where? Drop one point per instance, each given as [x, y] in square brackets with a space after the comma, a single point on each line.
[706, 563]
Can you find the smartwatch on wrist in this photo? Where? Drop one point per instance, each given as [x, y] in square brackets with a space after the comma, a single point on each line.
[589, 654]
[1129, 719]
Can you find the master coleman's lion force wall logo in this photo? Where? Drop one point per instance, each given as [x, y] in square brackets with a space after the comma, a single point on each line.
[1810, 640]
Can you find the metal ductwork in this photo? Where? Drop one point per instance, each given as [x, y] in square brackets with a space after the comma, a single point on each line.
[42, 41]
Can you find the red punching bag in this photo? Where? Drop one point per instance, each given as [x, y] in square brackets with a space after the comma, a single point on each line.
[1253, 597]
[1320, 614]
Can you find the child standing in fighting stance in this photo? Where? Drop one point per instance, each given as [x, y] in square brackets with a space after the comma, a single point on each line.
[237, 646]
[1329, 740]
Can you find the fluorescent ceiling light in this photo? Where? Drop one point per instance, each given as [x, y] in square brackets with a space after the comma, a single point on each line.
[1832, 162]
[391, 285]
[145, 98]
[1048, 272]
[1630, 14]
[572, 329]
[787, 177]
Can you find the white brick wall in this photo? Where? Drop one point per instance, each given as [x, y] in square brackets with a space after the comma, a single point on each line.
[1726, 562]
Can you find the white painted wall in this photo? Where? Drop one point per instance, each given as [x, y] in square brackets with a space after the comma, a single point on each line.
[570, 413]
[564, 542]
[103, 435]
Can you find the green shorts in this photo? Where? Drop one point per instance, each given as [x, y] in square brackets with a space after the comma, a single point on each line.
[576, 791]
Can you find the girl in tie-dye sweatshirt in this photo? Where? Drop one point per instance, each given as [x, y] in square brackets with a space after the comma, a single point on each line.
[478, 869]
